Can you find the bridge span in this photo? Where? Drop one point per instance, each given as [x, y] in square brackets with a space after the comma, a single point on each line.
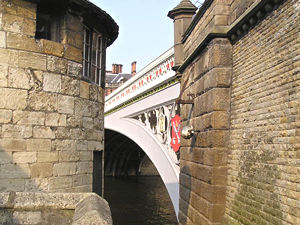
[142, 109]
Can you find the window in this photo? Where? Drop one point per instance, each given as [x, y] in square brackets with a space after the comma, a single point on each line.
[94, 57]
[47, 23]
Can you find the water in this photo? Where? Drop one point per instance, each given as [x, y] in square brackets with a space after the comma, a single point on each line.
[139, 201]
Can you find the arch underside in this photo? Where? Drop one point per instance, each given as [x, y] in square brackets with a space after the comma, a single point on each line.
[145, 139]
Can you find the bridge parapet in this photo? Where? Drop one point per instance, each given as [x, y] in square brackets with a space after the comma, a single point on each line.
[155, 76]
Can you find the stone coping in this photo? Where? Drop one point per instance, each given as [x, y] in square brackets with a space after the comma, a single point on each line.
[88, 208]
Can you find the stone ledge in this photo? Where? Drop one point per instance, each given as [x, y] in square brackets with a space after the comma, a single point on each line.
[81, 208]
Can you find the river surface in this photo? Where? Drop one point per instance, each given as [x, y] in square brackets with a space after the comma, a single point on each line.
[139, 201]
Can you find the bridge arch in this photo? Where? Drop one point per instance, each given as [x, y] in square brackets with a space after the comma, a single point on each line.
[154, 150]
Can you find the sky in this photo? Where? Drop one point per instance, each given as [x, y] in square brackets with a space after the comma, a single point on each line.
[145, 31]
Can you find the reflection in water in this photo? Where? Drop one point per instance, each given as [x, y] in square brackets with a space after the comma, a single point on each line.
[139, 201]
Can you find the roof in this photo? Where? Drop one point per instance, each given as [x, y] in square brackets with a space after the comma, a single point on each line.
[93, 16]
[117, 78]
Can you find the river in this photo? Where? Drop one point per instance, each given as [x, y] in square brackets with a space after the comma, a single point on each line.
[139, 201]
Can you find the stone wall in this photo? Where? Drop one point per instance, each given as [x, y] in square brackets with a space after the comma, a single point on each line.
[51, 121]
[241, 97]
[263, 175]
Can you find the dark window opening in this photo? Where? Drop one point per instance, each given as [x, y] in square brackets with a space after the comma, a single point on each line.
[94, 55]
[47, 23]
[98, 172]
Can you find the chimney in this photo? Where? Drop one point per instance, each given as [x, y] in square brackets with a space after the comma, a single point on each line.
[117, 68]
[133, 68]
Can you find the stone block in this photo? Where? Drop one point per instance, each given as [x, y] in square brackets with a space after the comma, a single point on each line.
[5, 116]
[74, 121]
[52, 47]
[52, 82]
[221, 20]
[83, 107]
[92, 210]
[41, 170]
[9, 184]
[70, 86]
[5, 157]
[9, 57]
[27, 217]
[95, 146]
[84, 89]
[57, 65]
[72, 156]
[12, 145]
[43, 132]
[81, 180]
[64, 169]
[32, 60]
[22, 42]
[86, 155]
[47, 157]
[56, 120]
[27, 11]
[88, 122]
[74, 69]
[39, 145]
[220, 54]
[64, 145]
[18, 78]
[74, 54]
[82, 145]
[60, 183]
[28, 118]
[84, 167]
[2, 39]
[12, 23]
[24, 157]
[14, 171]
[29, 27]
[65, 104]
[3, 75]
[36, 185]
[42, 101]
[16, 131]
[13, 98]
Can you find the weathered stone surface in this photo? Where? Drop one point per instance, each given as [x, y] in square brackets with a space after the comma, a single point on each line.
[28, 118]
[47, 157]
[73, 53]
[43, 132]
[11, 171]
[56, 119]
[57, 65]
[38, 145]
[16, 131]
[32, 60]
[65, 156]
[52, 82]
[27, 217]
[74, 69]
[66, 104]
[84, 89]
[92, 210]
[64, 145]
[3, 75]
[84, 167]
[52, 48]
[2, 39]
[22, 42]
[42, 101]
[64, 169]
[70, 86]
[41, 170]
[10, 184]
[12, 23]
[24, 157]
[19, 96]
[5, 116]
[57, 183]
[12, 145]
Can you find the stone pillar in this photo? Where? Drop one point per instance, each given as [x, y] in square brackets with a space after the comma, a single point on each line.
[182, 15]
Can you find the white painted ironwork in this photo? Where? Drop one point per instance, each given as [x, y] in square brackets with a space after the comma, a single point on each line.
[156, 73]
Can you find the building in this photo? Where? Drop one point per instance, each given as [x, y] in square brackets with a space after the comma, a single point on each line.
[52, 78]
[115, 78]
[239, 62]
